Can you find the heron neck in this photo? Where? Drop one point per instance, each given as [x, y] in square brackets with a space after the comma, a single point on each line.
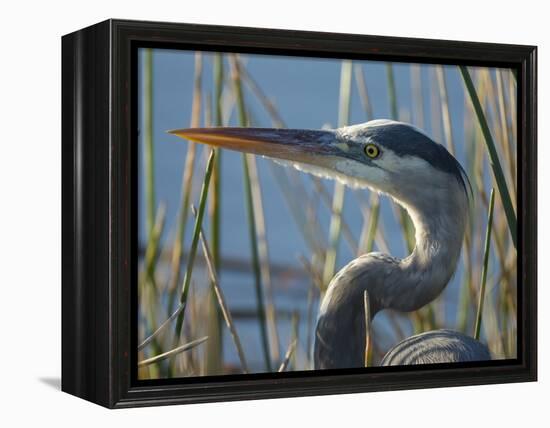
[410, 283]
[422, 276]
[403, 285]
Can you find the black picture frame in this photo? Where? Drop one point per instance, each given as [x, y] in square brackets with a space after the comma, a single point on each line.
[98, 212]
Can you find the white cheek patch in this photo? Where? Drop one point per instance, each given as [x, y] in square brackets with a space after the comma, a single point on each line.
[351, 173]
[358, 175]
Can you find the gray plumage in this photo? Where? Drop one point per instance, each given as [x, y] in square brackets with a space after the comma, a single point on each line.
[436, 347]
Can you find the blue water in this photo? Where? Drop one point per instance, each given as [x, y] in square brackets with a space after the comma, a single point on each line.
[306, 93]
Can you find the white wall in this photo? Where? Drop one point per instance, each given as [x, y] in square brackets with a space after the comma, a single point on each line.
[30, 210]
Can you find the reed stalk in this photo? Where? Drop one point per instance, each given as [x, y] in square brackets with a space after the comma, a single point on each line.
[149, 152]
[392, 92]
[339, 188]
[161, 328]
[311, 231]
[416, 95]
[263, 251]
[215, 344]
[485, 265]
[493, 155]
[310, 330]
[445, 111]
[149, 288]
[295, 321]
[463, 303]
[368, 350]
[216, 189]
[495, 112]
[325, 198]
[187, 184]
[363, 92]
[149, 173]
[195, 241]
[272, 111]
[308, 229]
[512, 105]
[172, 353]
[506, 140]
[436, 120]
[263, 255]
[221, 298]
[251, 215]
[290, 350]
[152, 249]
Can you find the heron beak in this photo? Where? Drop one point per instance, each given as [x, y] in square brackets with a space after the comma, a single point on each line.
[299, 145]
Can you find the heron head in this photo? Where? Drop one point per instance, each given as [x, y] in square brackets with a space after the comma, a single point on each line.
[386, 156]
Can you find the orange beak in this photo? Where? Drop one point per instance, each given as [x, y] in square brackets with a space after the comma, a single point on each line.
[298, 145]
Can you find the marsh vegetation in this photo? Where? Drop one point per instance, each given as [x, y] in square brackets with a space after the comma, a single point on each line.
[237, 251]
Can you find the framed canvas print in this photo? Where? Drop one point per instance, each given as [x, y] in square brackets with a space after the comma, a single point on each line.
[253, 213]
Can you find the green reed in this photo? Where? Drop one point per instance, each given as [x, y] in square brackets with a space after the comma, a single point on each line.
[194, 242]
[251, 217]
[149, 152]
[187, 183]
[339, 188]
[493, 154]
[221, 299]
[215, 344]
[485, 265]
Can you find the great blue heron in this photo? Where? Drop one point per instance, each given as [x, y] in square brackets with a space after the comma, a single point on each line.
[398, 160]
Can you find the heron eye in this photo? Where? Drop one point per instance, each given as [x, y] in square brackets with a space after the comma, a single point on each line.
[372, 151]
